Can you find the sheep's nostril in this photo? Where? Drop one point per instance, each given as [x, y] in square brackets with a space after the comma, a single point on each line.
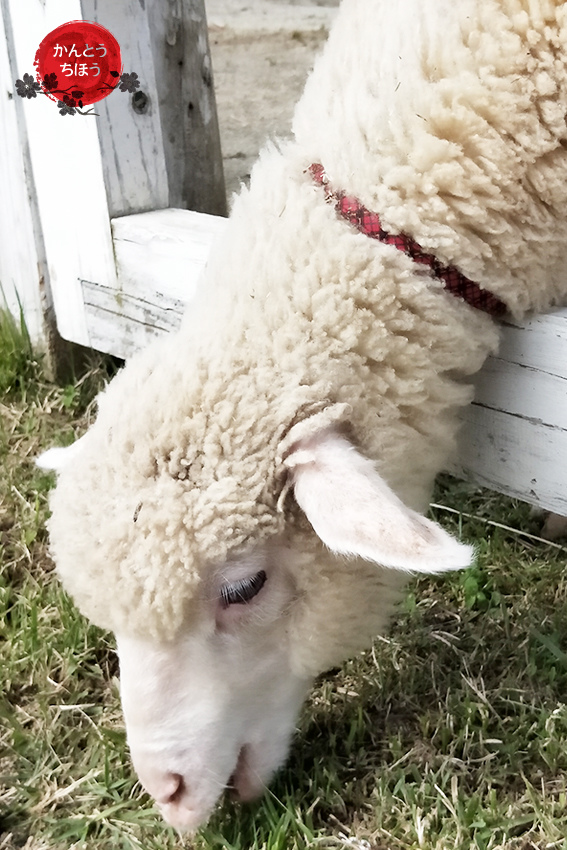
[172, 789]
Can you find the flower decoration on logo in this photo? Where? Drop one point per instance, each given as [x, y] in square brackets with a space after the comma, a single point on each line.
[129, 82]
[77, 64]
[27, 87]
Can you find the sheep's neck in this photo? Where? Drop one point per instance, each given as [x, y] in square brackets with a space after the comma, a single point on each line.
[369, 223]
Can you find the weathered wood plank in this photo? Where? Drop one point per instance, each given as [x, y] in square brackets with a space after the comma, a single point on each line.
[514, 437]
[68, 179]
[164, 251]
[121, 323]
[204, 189]
[521, 457]
[159, 258]
[523, 390]
[539, 342]
[161, 145]
[133, 156]
[187, 105]
[23, 270]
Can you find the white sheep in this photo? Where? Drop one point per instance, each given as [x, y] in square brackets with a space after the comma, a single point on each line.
[243, 509]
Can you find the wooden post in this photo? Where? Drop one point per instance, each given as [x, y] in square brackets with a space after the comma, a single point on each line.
[187, 105]
[24, 282]
[161, 145]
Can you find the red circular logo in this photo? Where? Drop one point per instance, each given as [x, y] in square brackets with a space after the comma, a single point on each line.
[79, 61]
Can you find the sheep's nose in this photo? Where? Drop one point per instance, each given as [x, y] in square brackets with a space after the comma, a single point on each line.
[169, 789]
[175, 804]
[166, 787]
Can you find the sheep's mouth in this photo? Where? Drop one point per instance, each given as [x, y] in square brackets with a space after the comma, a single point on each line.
[245, 784]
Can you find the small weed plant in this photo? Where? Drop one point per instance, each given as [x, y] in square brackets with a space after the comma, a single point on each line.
[449, 734]
[18, 366]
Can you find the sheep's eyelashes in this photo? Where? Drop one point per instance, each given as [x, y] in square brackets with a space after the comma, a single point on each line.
[243, 590]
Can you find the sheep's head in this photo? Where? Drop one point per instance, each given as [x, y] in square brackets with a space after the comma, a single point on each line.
[214, 705]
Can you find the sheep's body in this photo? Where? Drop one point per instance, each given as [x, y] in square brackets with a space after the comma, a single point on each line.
[449, 120]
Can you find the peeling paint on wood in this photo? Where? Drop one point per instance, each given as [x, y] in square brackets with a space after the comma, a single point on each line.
[152, 158]
[159, 258]
[515, 455]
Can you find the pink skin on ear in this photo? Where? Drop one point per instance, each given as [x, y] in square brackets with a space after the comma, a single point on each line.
[354, 512]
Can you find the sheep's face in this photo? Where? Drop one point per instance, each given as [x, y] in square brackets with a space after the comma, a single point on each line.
[216, 709]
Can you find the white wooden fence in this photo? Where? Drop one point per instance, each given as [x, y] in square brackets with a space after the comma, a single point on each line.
[515, 435]
[64, 179]
[123, 178]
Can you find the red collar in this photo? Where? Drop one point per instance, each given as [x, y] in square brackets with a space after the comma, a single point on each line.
[369, 223]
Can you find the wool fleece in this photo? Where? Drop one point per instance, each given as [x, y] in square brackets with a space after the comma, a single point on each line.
[447, 119]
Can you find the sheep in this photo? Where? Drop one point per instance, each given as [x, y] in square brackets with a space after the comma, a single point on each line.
[246, 508]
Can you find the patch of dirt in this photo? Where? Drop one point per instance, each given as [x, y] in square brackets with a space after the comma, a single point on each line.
[262, 52]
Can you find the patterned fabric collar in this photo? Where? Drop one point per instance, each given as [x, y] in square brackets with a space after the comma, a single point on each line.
[369, 223]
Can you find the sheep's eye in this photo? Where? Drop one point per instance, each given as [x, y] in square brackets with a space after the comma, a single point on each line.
[243, 590]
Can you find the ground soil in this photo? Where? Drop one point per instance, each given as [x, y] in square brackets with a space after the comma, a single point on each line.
[262, 52]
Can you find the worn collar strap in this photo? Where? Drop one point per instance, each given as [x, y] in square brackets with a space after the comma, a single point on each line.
[369, 223]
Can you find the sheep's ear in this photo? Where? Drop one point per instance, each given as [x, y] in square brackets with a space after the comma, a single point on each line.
[58, 458]
[354, 512]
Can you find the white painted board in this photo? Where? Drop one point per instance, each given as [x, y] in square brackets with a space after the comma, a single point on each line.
[22, 271]
[159, 259]
[517, 456]
[514, 438]
[67, 172]
[132, 147]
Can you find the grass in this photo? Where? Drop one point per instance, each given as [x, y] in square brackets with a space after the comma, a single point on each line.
[450, 734]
